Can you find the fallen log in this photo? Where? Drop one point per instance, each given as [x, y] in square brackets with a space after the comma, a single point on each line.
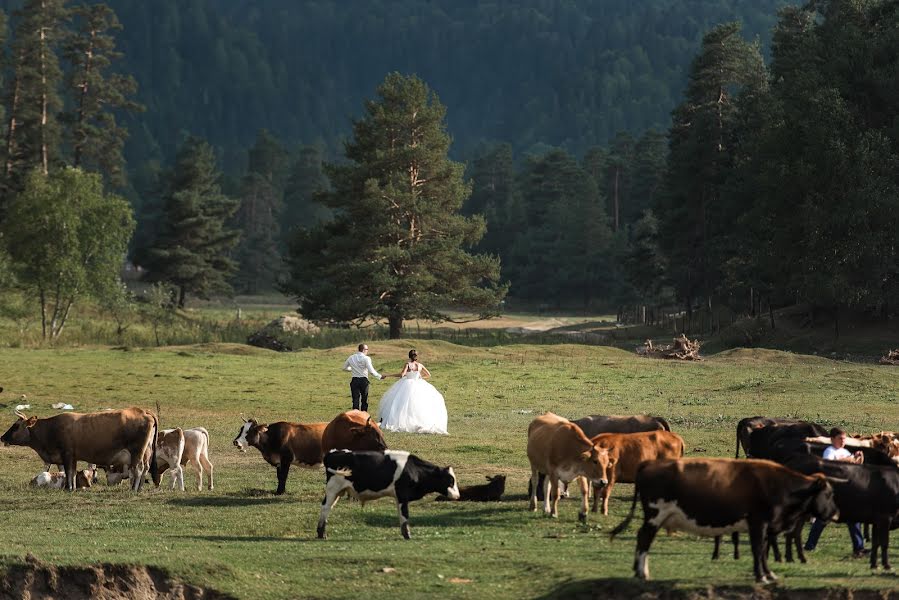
[682, 348]
[891, 358]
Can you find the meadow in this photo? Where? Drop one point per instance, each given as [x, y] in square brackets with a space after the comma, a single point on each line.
[242, 540]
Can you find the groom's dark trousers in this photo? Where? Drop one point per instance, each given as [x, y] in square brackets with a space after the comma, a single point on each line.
[359, 392]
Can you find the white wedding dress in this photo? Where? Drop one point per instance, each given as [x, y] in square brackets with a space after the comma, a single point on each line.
[413, 405]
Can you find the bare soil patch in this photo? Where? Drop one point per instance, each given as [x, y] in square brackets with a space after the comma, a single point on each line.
[36, 580]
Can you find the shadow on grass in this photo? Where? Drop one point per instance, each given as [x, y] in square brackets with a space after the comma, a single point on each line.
[251, 538]
[247, 497]
[483, 517]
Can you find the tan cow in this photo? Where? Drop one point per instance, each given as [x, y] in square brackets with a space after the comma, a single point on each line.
[630, 450]
[558, 448]
[352, 430]
[112, 437]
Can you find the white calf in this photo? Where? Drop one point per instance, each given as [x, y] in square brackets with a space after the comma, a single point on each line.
[57, 480]
[196, 452]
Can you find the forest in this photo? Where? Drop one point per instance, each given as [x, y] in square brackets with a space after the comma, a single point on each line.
[673, 155]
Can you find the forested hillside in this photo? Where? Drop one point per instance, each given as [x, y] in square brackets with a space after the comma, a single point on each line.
[530, 73]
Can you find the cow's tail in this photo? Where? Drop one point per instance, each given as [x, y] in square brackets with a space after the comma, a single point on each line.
[664, 423]
[154, 471]
[627, 520]
[737, 453]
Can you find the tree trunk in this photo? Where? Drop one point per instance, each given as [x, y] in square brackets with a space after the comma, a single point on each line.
[63, 319]
[43, 313]
[836, 322]
[182, 293]
[45, 153]
[396, 326]
[617, 170]
[771, 314]
[11, 130]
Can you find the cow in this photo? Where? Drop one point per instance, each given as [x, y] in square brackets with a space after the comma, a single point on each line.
[863, 493]
[558, 448]
[629, 451]
[746, 426]
[884, 442]
[596, 424]
[369, 475]
[486, 492]
[112, 437]
[715, 496]
[763, 439]
[784, 450]
[169, 450]
[84, 478]
[352, 430]
[283, 444]
[196, 454]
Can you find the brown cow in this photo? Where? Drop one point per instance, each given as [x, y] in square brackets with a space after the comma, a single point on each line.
[630, 450]
[283, 444]
[352, 430]
[111, 437]
[558, 448]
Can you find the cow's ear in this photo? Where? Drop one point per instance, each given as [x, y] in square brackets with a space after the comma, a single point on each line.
[585, 455]
[612, 461]
[368, 421]
[263, 428]
[31, 422]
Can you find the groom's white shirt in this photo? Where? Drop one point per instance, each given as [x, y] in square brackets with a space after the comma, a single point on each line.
[360, 365]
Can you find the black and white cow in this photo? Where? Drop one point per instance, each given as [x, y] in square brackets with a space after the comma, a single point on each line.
[370, 475]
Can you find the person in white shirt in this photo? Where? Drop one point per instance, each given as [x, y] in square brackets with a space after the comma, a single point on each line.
[359, 364]
[837, 451]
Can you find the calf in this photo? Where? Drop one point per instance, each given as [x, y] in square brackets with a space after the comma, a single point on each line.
[57, 480]
[283, 444]
[715, 496]
[489, 492]
[629, 451]
[352, 430]
[169, 450]
[558, 448]
[370, 475]
[196, 454]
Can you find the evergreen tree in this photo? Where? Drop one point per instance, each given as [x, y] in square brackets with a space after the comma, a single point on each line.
[34, 103]
[645, 263]
[495, 196]
[192, 249]
[259, 216]
[396, 248]
[95, 138]
[307, 180]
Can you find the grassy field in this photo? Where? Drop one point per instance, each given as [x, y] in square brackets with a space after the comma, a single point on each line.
[243, 540]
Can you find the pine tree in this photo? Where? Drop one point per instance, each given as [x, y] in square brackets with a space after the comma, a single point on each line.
[33, 134]
[95, 138]
[495, 196]
[193, 247]
[396, 248]
[306, 181]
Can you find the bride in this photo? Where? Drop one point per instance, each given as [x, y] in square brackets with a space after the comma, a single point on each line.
[412, 404]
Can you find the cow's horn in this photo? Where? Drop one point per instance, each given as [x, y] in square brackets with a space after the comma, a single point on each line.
[368, 422]
[836, 479]
[21, 415]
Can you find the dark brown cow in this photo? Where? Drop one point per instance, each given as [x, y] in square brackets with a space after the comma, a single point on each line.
[283, 444]
[110, 437]
[746, 426]
[630, 450]
[715, 496]
[352, 430]
[596, 424]
[558, 448]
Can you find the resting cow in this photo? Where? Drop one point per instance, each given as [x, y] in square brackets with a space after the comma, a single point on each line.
[629, 451]
[57, 480]
[558, 448]
[111, 437]
[486, 492]
[371, 475]
[283, 444]
[352, 430]
[715, 496]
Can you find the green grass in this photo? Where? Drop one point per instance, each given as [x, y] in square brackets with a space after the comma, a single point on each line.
[243, 540]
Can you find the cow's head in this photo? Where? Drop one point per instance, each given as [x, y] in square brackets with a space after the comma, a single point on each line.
[822, 505]
[596, 465]
[497, 479]
[249, 434]
[116, 474]
[886, 442]
[447, 484]
[368, 437]
[20, 432]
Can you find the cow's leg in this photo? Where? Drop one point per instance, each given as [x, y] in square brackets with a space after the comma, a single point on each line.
[403, 509]
[645, 537]
[797, 539]
[546, 498]
[204, 461]
[178, 477]
[555, 491]
[283, 470]
[606, 492]
[535, 480]
[70, 466]
[333, 490]
[885, 548]
[716, 550]
[775, 547]
[585, 498]
[735, 540]
[758, 540]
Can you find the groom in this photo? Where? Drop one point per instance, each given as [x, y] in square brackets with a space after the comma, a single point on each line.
[359, 364]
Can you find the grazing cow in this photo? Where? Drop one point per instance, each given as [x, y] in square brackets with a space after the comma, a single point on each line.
[83, 479]
[283, 444]
[863, 493]
[596, 424]
[352, 430]
[558, 448]
[487, 492]
[746, 426]
[630, 450]
[112, 437]
[370, 475]
[714, 496]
